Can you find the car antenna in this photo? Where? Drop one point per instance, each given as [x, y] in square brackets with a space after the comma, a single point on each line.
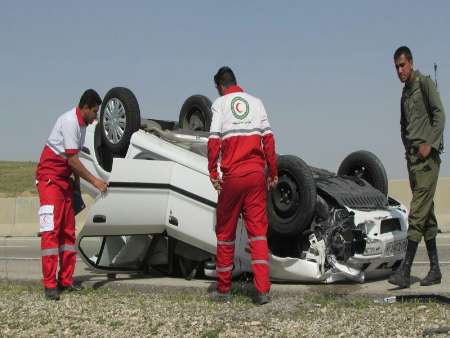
[435, 75]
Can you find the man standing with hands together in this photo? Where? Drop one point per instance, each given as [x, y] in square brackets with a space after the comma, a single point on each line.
[242, 144]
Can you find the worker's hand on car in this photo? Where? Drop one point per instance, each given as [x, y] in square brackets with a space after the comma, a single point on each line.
[424, 150]
[272, 182]
[100, 184]
[217, 183]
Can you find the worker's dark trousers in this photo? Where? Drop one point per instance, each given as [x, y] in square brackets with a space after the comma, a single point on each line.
[423, 177]
[57, 222]
[246, 194]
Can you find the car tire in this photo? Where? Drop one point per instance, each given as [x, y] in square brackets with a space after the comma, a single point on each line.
[291, 204]
[103, 155]
[120, 117]
[195, 114]
[365, 165]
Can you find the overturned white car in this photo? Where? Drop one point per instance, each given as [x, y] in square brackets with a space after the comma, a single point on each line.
[159, 211]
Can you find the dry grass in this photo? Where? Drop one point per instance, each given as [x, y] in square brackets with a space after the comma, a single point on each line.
[167, 312]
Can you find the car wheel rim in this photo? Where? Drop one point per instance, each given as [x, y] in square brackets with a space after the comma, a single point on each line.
[285, 197]
[196, 121]
[114, 120]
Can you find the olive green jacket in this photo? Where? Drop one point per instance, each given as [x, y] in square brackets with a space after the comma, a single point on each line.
[422, 114]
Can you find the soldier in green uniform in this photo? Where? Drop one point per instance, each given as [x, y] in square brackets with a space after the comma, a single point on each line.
[422, 126]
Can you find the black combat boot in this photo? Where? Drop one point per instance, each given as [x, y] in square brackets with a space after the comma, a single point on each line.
[402, 277]
[434, 276]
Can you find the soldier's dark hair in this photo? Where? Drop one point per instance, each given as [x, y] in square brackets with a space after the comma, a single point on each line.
[403, 50]
[90, 98]
[225, 77]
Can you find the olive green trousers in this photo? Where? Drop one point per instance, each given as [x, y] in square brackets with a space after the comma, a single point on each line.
[423, 177]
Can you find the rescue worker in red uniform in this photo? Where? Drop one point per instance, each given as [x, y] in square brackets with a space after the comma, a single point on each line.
[57, 176]
[241, 143]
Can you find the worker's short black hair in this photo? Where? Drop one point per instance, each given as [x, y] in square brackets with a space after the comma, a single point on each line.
[90, 98]
[225, 77]
[403, 50]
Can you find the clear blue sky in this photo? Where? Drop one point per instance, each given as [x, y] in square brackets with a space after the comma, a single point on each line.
[323, 68]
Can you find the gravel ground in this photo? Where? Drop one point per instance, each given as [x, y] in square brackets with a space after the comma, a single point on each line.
[174, 312]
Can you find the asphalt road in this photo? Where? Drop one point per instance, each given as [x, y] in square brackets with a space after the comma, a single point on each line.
[20, 260]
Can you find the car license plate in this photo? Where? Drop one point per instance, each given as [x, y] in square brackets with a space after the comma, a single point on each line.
[396, 248]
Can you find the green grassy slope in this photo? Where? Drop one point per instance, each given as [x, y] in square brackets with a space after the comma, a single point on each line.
[17, 178]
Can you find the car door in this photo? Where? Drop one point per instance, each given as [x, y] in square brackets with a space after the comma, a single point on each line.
[146, 198]
[121, 223]
[192, 208]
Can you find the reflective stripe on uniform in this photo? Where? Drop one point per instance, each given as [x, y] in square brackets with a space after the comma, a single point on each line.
[257, 238]
[260, 261]
[214, 135]
[225, 242]
[224, 269]
[67, 247]
[250, 133]
[49, 252]
[267, 131]
[246, 131]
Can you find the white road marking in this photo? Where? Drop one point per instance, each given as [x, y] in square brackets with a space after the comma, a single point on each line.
[24, 259]
[20, 258]
[438, 245]
[21, 238]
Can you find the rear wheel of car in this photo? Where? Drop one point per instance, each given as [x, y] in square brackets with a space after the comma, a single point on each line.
[291, 205]
[120, 117]
[366, 165]
[195, 114]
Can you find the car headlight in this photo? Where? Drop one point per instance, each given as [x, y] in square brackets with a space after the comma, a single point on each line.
[366, 226]
[373, 247]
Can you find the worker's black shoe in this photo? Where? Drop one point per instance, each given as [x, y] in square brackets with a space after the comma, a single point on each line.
[402, 277]
[262, 298]
[51, 293]
[220, 296]
[70, 288]
[434, 276]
